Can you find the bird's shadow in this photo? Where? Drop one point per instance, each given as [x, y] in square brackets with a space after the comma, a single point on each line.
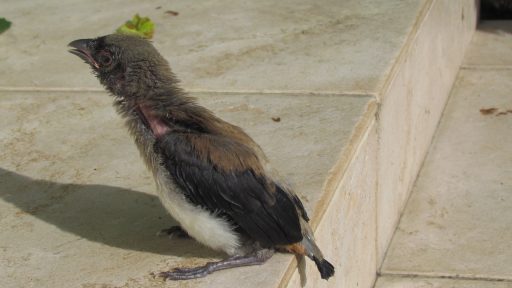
[113, 216]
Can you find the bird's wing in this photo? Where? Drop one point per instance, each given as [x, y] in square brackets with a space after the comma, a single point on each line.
[223, 175]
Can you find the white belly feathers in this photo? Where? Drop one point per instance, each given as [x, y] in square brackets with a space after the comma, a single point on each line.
[204, 226]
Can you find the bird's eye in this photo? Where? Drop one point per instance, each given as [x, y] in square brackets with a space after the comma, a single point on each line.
[105, 59]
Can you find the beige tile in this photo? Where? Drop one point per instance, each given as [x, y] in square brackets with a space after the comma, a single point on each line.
[458, 219]
[77, 206]
[325, 45]
[347, 231]
[412, 105]
[400, 282]
[490, 45]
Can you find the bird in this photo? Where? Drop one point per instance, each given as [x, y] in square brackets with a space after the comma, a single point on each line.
[210, 175]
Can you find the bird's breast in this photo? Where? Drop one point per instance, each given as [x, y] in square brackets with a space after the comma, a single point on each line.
[204, 226]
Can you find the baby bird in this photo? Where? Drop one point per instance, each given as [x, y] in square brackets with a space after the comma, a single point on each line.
[211, 176]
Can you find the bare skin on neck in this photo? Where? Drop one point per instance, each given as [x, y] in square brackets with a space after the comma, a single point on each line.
[156, 124]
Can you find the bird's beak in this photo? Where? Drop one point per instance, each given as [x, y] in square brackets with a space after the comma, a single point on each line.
[82, 49]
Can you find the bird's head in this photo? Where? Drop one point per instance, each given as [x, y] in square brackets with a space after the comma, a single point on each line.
[128, 66]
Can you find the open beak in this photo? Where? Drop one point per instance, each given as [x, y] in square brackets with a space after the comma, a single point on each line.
[82, 49]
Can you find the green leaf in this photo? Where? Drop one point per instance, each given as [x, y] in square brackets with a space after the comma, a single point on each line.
[138, 26]
[4, 25]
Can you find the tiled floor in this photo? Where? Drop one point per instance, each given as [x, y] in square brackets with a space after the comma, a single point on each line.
[457, 223]
[422, 282]
[77, 207]
[75, 196]
[310, 46]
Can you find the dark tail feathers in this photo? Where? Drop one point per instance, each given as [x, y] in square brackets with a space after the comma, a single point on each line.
[326, 269]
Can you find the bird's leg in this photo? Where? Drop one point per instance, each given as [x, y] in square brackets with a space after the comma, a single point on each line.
[173, 231]
[256, 258]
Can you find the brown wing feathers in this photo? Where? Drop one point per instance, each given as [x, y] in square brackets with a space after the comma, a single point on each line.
[225, 176]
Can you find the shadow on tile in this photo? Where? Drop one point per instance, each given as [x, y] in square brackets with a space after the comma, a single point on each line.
[113, 216]
[495, 27]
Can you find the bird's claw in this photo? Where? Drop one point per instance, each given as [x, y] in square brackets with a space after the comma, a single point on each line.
[184, 273]
[174, 231]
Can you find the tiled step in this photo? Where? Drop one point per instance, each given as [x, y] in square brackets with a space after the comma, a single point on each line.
[351, 82]
[310, 46]
[422, 282]
[457, 221]
[76, 197]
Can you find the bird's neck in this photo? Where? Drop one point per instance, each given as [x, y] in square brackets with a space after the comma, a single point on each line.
[154, 121]
[168, 109]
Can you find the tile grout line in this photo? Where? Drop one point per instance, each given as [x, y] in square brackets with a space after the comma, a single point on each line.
[444, 276]
[48, 89]
[420, 170]
[400, 60]
[201, 91]
[485, 67]
[406, 48]
[300, 92]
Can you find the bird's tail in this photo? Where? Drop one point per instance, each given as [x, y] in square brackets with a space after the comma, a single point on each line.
[313, 252]
[309, 248]
[326, 269]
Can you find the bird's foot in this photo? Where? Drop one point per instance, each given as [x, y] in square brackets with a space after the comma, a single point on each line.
[173, 231]
[256, 258]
